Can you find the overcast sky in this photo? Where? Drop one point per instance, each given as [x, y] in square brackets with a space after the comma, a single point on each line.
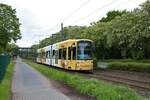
[41, 18]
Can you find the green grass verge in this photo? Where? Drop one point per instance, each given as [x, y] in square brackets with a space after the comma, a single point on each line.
[130, 66]
[5, 85]
[92, 87]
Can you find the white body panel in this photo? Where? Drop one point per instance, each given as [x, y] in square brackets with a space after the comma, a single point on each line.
[47, 50]
[53, 55]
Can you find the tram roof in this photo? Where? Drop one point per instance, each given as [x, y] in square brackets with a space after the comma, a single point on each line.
[75, 40]
[69, 40]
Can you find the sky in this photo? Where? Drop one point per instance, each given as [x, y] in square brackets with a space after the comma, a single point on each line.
[41, 18]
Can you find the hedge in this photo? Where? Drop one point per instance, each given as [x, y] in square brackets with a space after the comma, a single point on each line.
[130, 66]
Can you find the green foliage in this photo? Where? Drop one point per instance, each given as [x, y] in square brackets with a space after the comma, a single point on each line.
[92, 87]
[121, 34]
[146, 7]
[9, 26]
[35, 46]
[111, 15]
[130, 66]
[5, 86]
[149, 98]
[45, 42]
[12, 48]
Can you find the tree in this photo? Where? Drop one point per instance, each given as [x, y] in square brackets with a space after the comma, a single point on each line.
[111, 15]
[9, 26]
[145, 7]
[12, 48]
[140, 32]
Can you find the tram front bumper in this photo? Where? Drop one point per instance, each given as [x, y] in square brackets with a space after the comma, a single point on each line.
[84, 66]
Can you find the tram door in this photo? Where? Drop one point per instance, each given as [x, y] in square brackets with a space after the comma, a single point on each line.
[56, 57]
[72, 57]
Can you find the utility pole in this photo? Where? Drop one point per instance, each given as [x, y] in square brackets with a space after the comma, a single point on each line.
[62, 32]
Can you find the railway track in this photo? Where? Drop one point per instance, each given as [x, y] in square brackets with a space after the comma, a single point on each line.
[138, 81]
[142, 86]
[134, 83]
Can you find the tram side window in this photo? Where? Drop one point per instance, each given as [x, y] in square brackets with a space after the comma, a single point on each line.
[69, 53]
[53, 52]
[74, 53]
[60, 53]
[47, 55]
[64, 53]
[38, 55]
[56, 54]
[44, 55]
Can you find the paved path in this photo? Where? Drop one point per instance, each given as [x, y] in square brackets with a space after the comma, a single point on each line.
[28, 84]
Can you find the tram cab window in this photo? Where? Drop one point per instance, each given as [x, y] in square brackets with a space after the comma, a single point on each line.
[84, 50]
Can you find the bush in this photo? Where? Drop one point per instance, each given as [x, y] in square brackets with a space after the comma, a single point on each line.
[130, 66]
[117, 60]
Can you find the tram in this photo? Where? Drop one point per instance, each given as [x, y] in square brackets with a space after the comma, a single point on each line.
[71, 54]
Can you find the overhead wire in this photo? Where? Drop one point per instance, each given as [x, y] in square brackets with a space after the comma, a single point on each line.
[95, 11]
[76, 10]
[85, 17]
[72, 13]
[90, 14]
[113, 8]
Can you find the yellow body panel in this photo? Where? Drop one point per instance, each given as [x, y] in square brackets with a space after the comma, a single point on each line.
[42, 59]
[84, 65]
[76, 64]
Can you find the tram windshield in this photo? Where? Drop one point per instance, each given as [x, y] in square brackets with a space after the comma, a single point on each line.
[84, 50]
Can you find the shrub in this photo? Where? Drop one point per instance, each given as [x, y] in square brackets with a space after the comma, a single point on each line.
[130, 66]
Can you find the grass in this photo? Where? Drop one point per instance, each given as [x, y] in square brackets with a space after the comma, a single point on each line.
[92, 87]
[5, 85]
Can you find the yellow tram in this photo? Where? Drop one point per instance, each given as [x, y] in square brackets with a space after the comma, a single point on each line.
[71, 54]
